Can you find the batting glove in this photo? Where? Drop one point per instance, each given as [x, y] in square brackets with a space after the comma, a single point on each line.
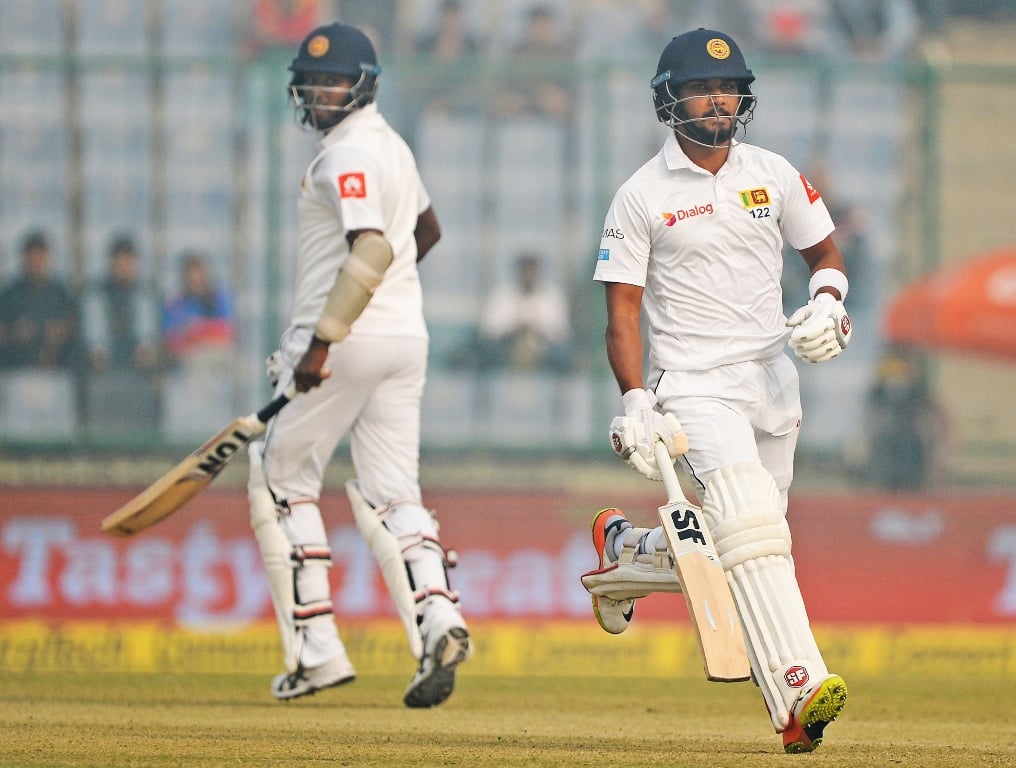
[633, 435]
[822, 329]
[274, 367]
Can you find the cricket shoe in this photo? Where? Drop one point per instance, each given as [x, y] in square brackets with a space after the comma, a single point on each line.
[621, 580]
[307, 680]
[443, 650]
[813, 711]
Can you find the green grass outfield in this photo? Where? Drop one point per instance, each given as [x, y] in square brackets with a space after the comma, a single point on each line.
[554, 694]
[208, 719]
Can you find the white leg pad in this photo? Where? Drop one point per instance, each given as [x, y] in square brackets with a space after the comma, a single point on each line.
[745, 513]
[316, 638]
[387, 551]
[275, 553]
[416, 529]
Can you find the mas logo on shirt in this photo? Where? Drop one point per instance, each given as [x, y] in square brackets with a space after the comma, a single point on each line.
[753, 198]
[809, 190]
[353, 185]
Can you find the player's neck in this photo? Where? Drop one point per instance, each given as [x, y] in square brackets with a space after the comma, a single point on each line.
[708, 158]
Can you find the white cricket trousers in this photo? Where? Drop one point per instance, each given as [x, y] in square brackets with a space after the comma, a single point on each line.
[373, 395]
[746, 412]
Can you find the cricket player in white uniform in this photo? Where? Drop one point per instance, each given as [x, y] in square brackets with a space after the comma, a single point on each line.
[356, 348]
[695, 238]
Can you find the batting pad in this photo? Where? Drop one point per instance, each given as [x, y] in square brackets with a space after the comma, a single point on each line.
[387, 551]
[275, 554]
[745, 513]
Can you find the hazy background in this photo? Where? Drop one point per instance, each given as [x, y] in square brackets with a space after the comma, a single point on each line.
[167, 121]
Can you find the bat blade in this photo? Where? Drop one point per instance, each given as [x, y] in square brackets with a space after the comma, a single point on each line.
[192, 475]
[706, 593]
[184, 481]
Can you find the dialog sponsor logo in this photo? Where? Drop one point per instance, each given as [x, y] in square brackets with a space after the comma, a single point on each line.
[670, 219]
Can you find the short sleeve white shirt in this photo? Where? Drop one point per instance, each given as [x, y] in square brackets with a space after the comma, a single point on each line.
[708, 250]
[363, 177]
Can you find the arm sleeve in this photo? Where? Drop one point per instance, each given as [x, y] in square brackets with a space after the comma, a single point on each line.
[806, 221]
[351, 184]
[623, 256]
[423, 201]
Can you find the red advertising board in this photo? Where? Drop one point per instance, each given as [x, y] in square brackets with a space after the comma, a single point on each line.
[859, 558]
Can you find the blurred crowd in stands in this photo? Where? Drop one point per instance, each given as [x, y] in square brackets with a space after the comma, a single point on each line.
[141, 317]
[120, 321]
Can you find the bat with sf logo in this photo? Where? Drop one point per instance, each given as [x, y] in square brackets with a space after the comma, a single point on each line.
[703, 581]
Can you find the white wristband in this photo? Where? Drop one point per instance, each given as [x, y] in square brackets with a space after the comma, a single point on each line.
[634, 399]
[828, 278]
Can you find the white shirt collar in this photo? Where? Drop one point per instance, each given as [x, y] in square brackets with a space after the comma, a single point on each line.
[336, 133]
[676, 159]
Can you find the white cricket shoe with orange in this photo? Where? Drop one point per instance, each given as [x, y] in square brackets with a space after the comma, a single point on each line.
[622, 578]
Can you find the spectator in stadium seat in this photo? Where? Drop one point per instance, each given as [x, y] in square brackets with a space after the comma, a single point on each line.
[39, 323]
[525, 323]
[445, 83]
[907, 428]
[539, 81]
[121, 314]
[278, 24]
[200, 315]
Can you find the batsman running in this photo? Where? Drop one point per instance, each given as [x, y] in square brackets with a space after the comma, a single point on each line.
[695, 239]
[357, 348]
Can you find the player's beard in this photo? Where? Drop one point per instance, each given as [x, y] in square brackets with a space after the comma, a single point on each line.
[324, 120]
[720, 134]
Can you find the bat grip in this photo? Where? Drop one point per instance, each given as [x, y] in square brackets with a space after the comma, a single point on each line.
[277, 404]
[666, 466]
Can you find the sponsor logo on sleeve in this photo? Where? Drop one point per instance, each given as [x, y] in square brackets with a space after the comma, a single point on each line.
[352, 185]
[809, 190]
[614, 233]
[603, 254]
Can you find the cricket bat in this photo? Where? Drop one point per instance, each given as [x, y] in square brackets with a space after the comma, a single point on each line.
[192, 475]
[703, 582]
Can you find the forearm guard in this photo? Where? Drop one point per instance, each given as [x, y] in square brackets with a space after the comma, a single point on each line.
[359, 277]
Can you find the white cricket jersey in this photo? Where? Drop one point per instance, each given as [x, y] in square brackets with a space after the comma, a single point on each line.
[708, 251]
[364, 177]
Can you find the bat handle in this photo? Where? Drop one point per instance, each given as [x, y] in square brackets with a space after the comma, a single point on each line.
[277, 404]
[666, 466]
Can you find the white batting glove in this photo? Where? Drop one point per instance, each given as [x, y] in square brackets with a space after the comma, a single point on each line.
[633, 435]
[274, 367]
[822, 329]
